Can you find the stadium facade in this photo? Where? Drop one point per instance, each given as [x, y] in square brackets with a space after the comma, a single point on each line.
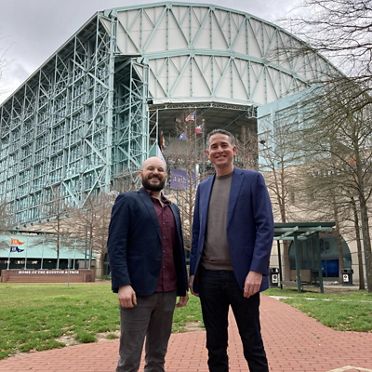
[95, 109]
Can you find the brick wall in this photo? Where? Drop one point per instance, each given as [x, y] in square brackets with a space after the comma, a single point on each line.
[47, 276]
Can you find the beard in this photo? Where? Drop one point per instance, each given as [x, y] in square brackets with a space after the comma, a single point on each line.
[148, 186]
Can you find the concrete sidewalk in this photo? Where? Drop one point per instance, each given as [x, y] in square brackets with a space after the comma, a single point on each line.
[294, 342]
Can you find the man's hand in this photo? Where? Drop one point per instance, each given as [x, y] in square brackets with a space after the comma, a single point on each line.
[191, 283]
[127, 297]
[252, 284]
[182, 301]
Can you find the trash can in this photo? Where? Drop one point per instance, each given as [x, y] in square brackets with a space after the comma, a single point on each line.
[347, 277]
[274, 277]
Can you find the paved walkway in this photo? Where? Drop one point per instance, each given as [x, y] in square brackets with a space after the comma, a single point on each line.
[294, 342]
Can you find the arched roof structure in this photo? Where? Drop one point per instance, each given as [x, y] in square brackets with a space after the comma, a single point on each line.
[93, 110]
[199, 52]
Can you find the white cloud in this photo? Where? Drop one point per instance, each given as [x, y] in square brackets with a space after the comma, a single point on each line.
[13, 74]
[30, 31]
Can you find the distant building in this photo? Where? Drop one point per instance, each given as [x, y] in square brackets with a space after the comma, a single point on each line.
[19, 250]
[121, 88]
[99, 105]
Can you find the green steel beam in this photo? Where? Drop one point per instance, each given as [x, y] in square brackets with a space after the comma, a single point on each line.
[82, 119]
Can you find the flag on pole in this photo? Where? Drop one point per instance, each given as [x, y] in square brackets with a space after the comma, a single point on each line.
[15, 242]
[159, 153]
[15, 249]
[191, 116]
[183, 136]
[14, 245]
[198, 129]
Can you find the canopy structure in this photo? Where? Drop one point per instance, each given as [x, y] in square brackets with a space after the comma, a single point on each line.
[295, 231]
[36, 249]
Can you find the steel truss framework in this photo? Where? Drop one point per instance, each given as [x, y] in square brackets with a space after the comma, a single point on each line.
[83, 119]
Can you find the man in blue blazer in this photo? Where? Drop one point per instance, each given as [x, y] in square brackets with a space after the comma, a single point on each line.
[231, 245]
[148, 269]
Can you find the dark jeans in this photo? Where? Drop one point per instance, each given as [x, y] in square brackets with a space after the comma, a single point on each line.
[218, 290]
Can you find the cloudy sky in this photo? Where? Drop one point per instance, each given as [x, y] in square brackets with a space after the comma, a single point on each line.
[31, 30]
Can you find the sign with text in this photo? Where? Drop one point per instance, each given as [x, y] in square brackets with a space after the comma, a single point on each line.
[48, 272]
[47, 276]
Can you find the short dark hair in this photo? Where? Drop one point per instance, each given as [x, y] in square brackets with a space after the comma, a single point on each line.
[222, 131]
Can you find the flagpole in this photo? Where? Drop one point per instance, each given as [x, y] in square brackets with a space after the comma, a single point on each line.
[203, 170]
[42, 255]
[25, 259]
[8, 264]
[73, 260]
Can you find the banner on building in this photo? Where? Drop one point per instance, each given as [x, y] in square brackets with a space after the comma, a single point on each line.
[179, 179]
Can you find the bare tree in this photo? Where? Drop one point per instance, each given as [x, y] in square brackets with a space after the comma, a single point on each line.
[187, 165]
[247, 148]
[324, 195]
[4, 217]
[127, 182]
[340, 30]
[358, 242]
[56, 212]
[338, 117]
[338, 132]
[90, 224]
[278, 160]
[4, 221]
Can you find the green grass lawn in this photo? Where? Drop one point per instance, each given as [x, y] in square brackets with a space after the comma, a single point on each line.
[38, 316]
[43, 316]
[343, 311]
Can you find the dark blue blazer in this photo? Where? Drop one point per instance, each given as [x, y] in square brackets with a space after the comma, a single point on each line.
[250, 225]
[134, 245]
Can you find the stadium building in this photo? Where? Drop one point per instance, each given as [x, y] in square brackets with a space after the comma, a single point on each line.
[110, 96]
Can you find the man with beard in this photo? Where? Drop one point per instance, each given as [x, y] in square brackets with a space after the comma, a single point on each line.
[148, 269]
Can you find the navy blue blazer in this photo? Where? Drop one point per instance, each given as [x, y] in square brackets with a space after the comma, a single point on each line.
[134, 245]
[250, 225]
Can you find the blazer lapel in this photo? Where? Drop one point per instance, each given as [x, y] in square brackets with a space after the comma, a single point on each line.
[204, 201]
[146, 200]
